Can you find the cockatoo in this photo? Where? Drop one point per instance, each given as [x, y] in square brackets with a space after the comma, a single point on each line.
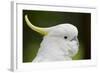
[60, 42]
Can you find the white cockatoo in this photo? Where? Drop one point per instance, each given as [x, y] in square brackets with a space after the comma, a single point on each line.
[59, 43]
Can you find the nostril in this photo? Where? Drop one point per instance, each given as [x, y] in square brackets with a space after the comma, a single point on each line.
[73, 39]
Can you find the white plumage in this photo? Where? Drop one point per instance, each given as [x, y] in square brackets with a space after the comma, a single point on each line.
[59, 43]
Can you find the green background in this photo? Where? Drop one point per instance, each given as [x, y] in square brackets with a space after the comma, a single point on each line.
[32, 40]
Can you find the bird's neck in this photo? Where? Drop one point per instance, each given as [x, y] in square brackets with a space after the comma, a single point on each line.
[49, 49]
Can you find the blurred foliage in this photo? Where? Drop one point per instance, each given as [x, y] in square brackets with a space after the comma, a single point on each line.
[32, 40]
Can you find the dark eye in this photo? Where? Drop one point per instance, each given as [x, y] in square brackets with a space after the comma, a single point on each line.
[65, 37]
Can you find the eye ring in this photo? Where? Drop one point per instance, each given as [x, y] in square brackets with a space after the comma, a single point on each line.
[65, 37]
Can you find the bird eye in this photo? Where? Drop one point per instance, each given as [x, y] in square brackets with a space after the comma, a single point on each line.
[65, 37]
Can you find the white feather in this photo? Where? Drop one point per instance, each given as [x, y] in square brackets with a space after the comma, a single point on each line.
[55, 48]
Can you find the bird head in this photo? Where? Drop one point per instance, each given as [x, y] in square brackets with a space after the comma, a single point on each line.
[65, 35]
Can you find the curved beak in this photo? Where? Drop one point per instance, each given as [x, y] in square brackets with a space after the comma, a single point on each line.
[43, 31]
